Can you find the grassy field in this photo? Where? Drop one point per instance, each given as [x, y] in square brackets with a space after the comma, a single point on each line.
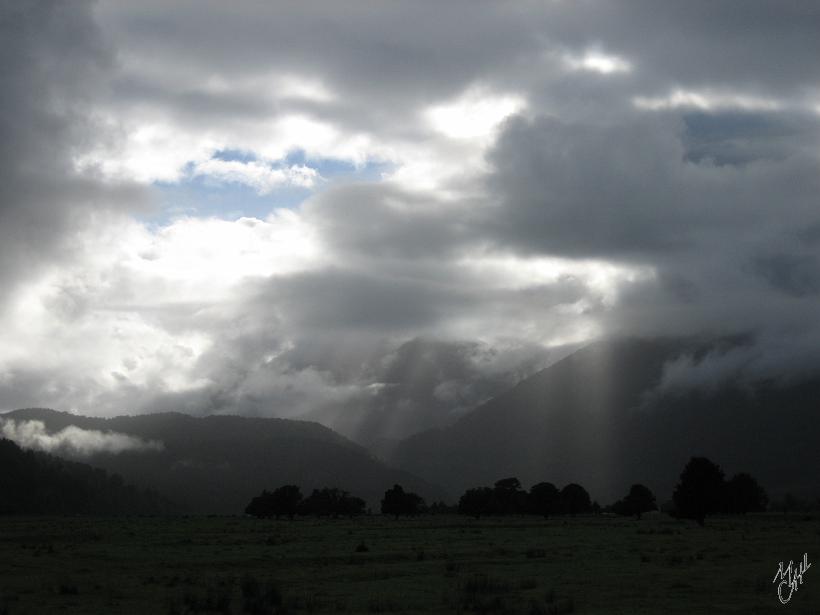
[379, 565]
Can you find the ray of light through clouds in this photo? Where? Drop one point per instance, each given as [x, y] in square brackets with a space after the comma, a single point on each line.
[267, 208]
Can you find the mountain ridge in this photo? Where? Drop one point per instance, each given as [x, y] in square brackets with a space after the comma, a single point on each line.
[588, 418]
[216, 464]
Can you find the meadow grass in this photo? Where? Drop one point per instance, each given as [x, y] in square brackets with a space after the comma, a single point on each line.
[435, 564]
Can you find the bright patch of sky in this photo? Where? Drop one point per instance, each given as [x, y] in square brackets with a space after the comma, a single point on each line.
[234, 184]
[597, 62]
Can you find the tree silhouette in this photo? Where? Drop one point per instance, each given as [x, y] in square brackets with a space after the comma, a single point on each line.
[744, 494]
[440, 508]
[351, 506]
[397, 502]
[544, 499]
[261, 505]
[282, 501]
[638, 501]
[508, 496]
[332, 502]
[476, 502]
[575, 499]
[286, 500]
[700, 491]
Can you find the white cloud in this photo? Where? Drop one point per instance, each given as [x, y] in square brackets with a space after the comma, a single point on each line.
[73, 440]
[598, 62]
[300, 87]
[475, 114]
[154, 146]
[260, 176]
[126, 310]
[150, 149]
[706, 100]
[136, 306]
[514, 272]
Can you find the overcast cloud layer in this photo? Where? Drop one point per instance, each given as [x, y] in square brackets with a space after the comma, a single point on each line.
[451, 195]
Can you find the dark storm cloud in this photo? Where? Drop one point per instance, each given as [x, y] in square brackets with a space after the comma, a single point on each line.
[738, 138]
[629, 189]
[386, 303]
[368, 389]
[717, 197]
[394, 51]
[762, 45]
[758, 48]
[388, 60]
[721, 205]
[52, 62]
[384, 222]
[427, 383]
[330, 345]
[794, 274]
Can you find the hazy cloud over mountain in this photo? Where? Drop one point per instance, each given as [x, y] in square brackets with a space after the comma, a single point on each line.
[73, 440]
[296, 210]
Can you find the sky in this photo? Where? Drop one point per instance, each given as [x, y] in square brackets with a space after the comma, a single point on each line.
[377, 215]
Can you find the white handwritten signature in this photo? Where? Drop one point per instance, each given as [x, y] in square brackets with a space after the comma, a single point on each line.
[790, 577]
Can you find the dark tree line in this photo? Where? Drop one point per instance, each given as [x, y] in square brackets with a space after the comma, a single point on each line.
[32, 482]
[287, 501]
[284, 501]
[703, 490]
[507, 497]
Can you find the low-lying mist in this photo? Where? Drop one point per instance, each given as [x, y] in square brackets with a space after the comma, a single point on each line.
[73, 440]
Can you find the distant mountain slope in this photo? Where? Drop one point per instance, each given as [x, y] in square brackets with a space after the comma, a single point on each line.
[587, 419]
[216, 464]
[37, 483]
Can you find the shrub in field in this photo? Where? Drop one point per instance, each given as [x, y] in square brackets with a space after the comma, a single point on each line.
[362, 548]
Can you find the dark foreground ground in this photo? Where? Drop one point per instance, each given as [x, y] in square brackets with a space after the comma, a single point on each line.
[379, 565]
